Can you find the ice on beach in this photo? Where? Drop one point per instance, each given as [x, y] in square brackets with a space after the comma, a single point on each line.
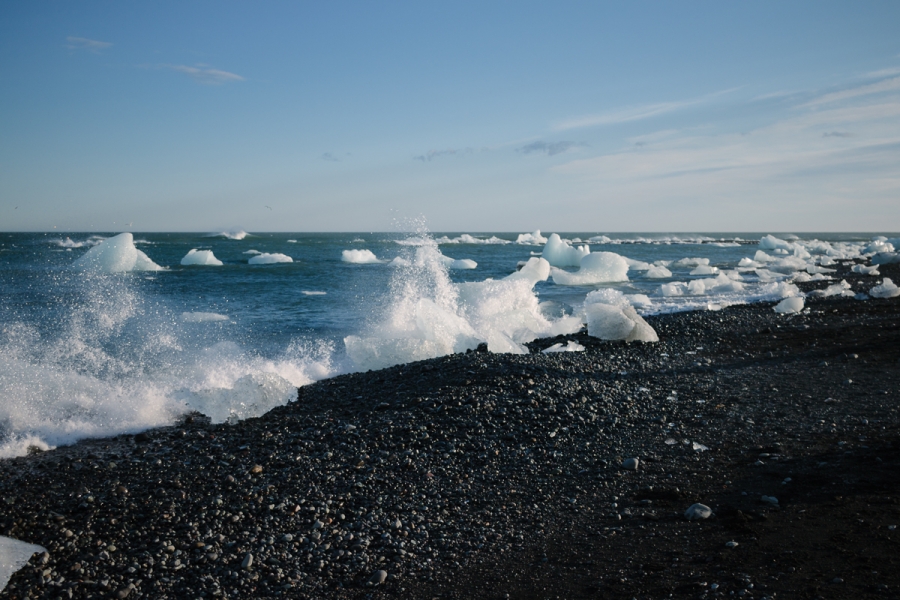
[596, 267]
[864, 270]
[815, 270]
[887, 289]
[360, 257]
[571, 346]
[269, 259]
[117, 254]
[835, 289]
[201, 257]
[657, 272]
[878, 246]
[535, 238]
[14, 555]
[789, 305]
[639, 300]
[202, 317]
[561, 254]
[886, 258]
[611, 317]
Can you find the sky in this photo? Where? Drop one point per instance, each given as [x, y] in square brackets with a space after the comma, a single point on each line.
[476, 116]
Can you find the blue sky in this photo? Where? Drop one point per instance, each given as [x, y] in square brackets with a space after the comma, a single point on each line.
[480, 116]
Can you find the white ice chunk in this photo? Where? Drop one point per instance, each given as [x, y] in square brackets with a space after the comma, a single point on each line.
[617, 322]
[462, 263]
[201, 257]
[536, 269]
[639, 300]
[887, 289]
[359, 257]
[571, 346]
[813, 269]
[878, 246]
[252, 252]
[561, 254]
[835, 289]
[864, 270]
[762, 257]
[399, 262]
[770, 242]
[13, 556]
[657, 272]
[267, 259]
[691, 262]
[676, 288]
[534, 238]
[637, 265]
[886, 258]
[117, 254]
[596, 267]
[747, 263]
[704, 270]
[600, 239]
[789, 305]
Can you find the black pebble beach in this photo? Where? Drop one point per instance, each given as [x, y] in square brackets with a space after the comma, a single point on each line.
[509, 476]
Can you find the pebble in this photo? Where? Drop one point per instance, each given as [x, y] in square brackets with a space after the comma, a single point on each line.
[631, 464]
[731, 544]
[247, 562]
[698, 511]
[771, 500]
[378, 577]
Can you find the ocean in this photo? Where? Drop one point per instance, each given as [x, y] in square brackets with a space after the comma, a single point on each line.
[102, 334]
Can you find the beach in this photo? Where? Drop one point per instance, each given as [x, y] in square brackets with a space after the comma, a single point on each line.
[480, 475]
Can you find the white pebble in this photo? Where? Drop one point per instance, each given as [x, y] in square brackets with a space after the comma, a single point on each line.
[698, 511]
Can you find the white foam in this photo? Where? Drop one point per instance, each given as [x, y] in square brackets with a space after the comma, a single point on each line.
[790, 305]
[312, 293]
[268, 259]
[360, 257]
[535, 238]
[292, 241]
[202, 317]
[14, 555]
[201, 257]
[596, 267]
[117, 254]
[561, 254]
[887, 289]
[233, 234]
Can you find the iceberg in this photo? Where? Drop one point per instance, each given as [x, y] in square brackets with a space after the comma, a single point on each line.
[533, 239]
[360, 257]
[536, 269]
[269, 259]
[657, 272]
[117, 254]
[596, 267]
[561, 254]
[610, 316]
[887, 289]
[463, 263]
[201, 257]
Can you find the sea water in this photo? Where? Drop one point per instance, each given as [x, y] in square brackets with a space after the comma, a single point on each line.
[102, 334]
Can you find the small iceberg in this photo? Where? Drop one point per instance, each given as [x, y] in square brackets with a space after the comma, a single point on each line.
[360, 257]
[117, 254]
[596, 267]
[887, 289]
[270, 259]
[201, 258]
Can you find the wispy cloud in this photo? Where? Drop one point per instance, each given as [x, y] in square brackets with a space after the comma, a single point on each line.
[206, 75]
[330, 157]
[80, 43]
[886, 85]
[635, 113]
[890, 72]
[549, 148]
[432, 154]
[838, 134]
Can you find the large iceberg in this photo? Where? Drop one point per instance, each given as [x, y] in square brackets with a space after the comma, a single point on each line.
[201, 257]
[596, 267]
[117, 254]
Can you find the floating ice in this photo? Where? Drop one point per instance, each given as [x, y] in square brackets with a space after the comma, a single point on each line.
[639, 300]
[117, 254]
[268, 259]
[399, 261]
[463, 263]
[470, 239]
[201, 257]
[536, 269]
[359, 257]
[657, 272]
[202, 317]
[704, 270]
[878, 246]
[252, 252]
[535, 238]
[596, 267]
[789, 305]
[312, 293]
[600, 239]
[887, 289]
[864, 270]
[561, 254]
[815, 270]
[13, 556]
[571, 346]
[691, 262]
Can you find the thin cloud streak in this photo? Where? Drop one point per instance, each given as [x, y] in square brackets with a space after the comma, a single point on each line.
[886, 85]
[206, 76]
[550, 148]
[637, 113]
[80, 43]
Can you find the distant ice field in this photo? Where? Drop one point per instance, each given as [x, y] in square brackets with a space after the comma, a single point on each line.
[108, 333]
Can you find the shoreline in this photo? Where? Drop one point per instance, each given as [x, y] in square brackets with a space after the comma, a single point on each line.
[482, 475]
